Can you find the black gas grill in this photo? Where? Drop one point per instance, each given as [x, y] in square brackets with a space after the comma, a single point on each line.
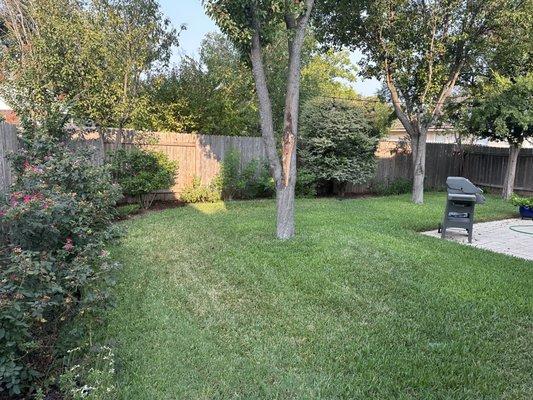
[463, 196]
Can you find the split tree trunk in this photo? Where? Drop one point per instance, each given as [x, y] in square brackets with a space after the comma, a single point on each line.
[283, 171]
[508, 183]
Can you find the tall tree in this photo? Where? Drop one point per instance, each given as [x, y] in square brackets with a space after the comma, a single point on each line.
[139, 40]
[251, 24]
[505, 112]
[84, 56]
[418, 48]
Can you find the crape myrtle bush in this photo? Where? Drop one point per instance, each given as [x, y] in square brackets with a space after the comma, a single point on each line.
[199, 193]
[338, 141]
[141, 172]
[53, 263]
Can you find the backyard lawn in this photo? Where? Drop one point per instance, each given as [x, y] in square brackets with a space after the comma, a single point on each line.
[211, 306]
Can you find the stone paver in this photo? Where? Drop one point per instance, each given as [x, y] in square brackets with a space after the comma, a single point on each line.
[497, 236]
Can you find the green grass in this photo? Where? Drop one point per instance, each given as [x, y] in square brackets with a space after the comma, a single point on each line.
[358, 306]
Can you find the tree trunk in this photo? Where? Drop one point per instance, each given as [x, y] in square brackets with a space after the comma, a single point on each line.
[419, 166]
[508, 183]
[285, 206]
[283, 171]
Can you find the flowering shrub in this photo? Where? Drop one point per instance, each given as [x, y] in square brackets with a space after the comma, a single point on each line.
[53, 264]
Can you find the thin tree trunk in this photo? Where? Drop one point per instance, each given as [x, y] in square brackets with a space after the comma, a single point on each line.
[265, 106]
[508, 183]
[419, 166]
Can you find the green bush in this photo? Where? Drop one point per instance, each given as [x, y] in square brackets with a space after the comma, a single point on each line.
[306, 183]
[230, 175]
[53, 263]
[338, 141]
[396, 187]
[140, 173]
[127, 210]
[253, 182]
[198, 193]
[264, 185]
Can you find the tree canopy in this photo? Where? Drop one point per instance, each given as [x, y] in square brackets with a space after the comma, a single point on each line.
[505, 111]
[418, 48]
[84, 57]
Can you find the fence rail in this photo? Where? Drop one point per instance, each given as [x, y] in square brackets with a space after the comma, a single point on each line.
[201, 156]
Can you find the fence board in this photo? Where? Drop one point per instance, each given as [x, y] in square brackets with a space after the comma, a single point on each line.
[8, 145]
[198, 156]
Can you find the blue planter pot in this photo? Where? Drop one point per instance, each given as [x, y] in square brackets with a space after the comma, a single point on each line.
[526, 212]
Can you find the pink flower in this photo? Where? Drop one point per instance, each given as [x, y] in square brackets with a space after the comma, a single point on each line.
[69, 245]
[2, 213]
[27, 198]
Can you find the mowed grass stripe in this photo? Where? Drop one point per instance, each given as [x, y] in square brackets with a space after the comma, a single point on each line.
[359, 305]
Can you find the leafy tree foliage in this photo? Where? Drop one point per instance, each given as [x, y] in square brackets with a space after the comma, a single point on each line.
[510, 50]
[338, 141]
[215, 94]
[87, 57]
[505, 112]
[418, 48]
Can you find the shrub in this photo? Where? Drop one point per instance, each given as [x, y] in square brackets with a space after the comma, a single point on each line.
[264, 185]
[127, 210]
[306, 183]
[140, 173]
[230, 175]
[253, 182]
[338, 141]
[53, 263]
[198, 193]
[396, 187]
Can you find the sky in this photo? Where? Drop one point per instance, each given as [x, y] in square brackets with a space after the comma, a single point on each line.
[191, 13]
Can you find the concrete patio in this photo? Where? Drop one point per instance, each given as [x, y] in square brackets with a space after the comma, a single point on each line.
[497, 236]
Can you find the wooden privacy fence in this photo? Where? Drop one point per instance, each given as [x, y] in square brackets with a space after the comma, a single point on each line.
[485, 166]
[201, 156]
[197, 155]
